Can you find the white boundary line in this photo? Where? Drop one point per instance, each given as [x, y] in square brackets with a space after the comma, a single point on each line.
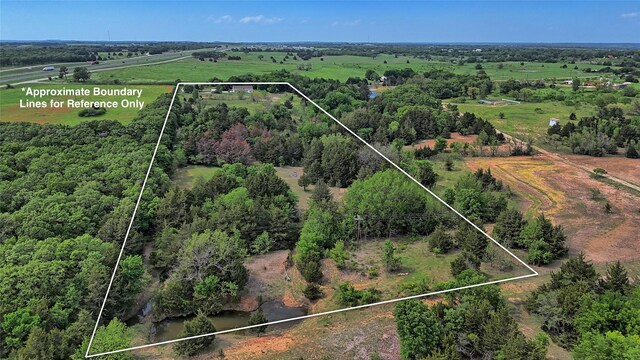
[534, 273]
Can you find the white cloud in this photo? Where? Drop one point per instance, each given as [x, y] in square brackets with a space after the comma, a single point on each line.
[223, 19]
[630, 15]
[260, 19]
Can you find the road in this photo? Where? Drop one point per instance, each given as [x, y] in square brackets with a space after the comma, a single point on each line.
[31, 74]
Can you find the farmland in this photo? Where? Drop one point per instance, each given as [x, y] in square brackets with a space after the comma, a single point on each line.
[331, 67]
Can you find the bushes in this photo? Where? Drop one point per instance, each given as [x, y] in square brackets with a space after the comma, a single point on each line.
[89, 112]
[312, 291]
[440, 241]
[339, 255]
[347, 295]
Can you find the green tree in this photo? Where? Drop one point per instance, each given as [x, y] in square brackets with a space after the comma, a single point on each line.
[390, 261]
[200, 325]
[473, 245]
[611, 345]
[304, 181]
[508, 227]
[265, 182]
[257, 317]
[63, 72]
[440, 239]
[129, 282]
[425, 174]
[440, 144]
[81, 74]
[418, 329]
[339, 255]
[262, 244]
[371, 75]
[339, 161]
[115, 336]
[616, 279]
[213, 253]
[211, 294]
[321, 193]
[400, 199]
[575, 84]
[17, 325]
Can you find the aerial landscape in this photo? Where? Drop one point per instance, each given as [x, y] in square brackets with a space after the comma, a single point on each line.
[320, 180]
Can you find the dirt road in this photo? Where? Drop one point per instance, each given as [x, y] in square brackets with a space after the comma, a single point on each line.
[561, 158]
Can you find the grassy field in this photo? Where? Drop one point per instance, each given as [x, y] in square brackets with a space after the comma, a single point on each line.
[258, 100]
[334, 67]
[526, 118]
[10, 110]
[184, 177]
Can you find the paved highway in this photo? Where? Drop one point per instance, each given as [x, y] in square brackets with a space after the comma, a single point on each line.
[30, 74]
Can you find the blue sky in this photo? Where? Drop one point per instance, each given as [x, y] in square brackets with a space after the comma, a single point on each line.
[357, 21]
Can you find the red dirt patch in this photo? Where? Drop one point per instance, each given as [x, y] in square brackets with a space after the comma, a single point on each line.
[621, 167]
[455, 137]
[562, 191]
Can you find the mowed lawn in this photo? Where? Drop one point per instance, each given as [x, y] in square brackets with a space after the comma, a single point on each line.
[526, 118]
[10, 110]
[333, 67]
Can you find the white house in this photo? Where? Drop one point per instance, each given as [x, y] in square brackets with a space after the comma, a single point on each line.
[242, 88]
[554, 121]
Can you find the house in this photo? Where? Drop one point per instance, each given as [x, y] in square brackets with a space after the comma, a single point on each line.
[554, 121]
[48, 68]
[568, 82]
[242, 88]
[383, 79]
[486, 102]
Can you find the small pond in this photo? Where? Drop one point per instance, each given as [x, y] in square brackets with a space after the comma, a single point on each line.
[170, 329]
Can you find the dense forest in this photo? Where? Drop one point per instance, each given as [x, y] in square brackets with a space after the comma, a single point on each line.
[67, 196]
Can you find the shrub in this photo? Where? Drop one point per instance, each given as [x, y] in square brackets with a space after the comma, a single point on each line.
[198, 326]
[390, 261]
[257, 317]
[539, 253]
[312, 291]
[439, 239]
[347, 295]
[89, 112]
[339, 255]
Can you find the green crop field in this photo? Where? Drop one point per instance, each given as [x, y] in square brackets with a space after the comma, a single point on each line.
[334, 67]
[10, 110]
